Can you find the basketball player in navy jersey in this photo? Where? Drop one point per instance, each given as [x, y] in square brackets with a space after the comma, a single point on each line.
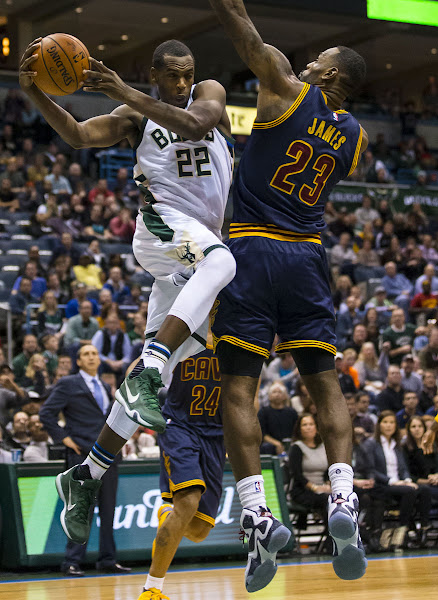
[192, 463]
[301, 145]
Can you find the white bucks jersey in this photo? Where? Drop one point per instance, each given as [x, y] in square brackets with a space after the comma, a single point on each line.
[192, 177]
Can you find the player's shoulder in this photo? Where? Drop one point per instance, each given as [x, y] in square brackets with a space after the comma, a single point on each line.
[208, 88]
[126, 112]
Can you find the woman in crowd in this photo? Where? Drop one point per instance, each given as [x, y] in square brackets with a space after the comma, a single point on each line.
[343, 289]
[301, 398]
[62, 269]
[423, 467]
[387, 466]
[308, 466]
[53, 285]
[50, 317]
[36, 377]
[94, 225]
[393, 253]
[371, 370]
[97, 255]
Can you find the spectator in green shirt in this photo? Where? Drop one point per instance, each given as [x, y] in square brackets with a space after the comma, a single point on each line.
[400, 336]
[80, 329]
[20, 362]
[50, 344]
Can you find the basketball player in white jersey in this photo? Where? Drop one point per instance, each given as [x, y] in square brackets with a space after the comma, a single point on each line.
[184, 166]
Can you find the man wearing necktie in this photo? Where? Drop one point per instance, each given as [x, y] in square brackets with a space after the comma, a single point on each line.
[85, 402]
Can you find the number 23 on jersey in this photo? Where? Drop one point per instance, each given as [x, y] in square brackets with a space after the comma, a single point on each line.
[301, 152]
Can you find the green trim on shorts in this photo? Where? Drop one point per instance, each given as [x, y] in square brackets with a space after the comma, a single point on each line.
[210, 248]
[155, 224]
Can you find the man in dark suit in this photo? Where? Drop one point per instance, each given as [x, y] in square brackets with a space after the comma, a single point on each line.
[85, 402]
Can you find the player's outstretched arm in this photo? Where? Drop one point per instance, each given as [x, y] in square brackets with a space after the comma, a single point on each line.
[202, 115]
[98, 132]
[269, 65]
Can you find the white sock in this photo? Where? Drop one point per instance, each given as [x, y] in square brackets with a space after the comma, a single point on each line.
[195, 300]
[154, 582]
[251, 492]
[341, 478]
[155, 355]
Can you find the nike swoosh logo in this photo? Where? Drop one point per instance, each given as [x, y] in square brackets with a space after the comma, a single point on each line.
[70, 506]
[131, 397]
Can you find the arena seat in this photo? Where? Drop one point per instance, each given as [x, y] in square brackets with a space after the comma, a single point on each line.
[8, 278]
[12, 260]
[116, 248]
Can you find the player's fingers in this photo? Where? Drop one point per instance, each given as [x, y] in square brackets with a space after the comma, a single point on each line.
[95, 76]
[98, 65]
[32, 48]
[28, 61]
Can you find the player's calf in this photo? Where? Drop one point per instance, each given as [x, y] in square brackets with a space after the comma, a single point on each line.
[197, 530]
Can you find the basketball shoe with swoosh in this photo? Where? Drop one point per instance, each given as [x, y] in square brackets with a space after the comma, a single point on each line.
[266, 535]
[79, 498]
[349, 560]
[139, 397]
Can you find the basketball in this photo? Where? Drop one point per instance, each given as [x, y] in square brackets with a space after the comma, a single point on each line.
[61, 59]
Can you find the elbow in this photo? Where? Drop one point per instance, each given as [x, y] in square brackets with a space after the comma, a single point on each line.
[196, 135]
[197, 130]
[76, 144]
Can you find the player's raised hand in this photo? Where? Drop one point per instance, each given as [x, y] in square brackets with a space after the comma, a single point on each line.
[100, 78]
[26, 74]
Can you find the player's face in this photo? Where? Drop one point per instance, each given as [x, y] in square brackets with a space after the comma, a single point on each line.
[315, 70]
[175, 79]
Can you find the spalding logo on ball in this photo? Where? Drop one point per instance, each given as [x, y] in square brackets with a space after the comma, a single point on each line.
[61, 60]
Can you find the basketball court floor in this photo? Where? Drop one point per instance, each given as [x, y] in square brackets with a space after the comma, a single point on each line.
[393, 578]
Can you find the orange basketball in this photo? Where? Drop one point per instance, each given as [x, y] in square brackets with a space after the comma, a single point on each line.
[61, 59]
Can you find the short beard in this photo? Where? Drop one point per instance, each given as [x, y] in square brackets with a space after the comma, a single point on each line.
[40, 436]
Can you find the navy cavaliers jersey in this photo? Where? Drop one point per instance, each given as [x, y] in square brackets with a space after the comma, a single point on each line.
[194, 396]
[289, 168]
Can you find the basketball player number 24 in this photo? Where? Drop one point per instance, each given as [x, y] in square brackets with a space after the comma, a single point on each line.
[302, 152]
[201, 403]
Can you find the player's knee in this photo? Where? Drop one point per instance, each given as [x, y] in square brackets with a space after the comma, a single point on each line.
[186, 502]
[222, 262]
[198, 530]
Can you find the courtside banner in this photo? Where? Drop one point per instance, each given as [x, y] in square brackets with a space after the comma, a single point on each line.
[135, 518]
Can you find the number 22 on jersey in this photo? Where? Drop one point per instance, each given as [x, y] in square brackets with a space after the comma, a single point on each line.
[301, 152]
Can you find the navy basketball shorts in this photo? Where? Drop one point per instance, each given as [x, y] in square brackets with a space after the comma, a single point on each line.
[189, 459]
[280, 287]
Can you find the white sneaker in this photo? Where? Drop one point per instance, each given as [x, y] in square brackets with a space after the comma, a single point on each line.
[349, 560]
[266, 535]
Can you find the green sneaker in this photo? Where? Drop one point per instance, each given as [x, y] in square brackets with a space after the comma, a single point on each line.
[79, 498]
[139, 397]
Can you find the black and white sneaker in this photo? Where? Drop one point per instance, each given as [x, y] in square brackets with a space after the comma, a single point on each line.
[266, 535]
[349, 560]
